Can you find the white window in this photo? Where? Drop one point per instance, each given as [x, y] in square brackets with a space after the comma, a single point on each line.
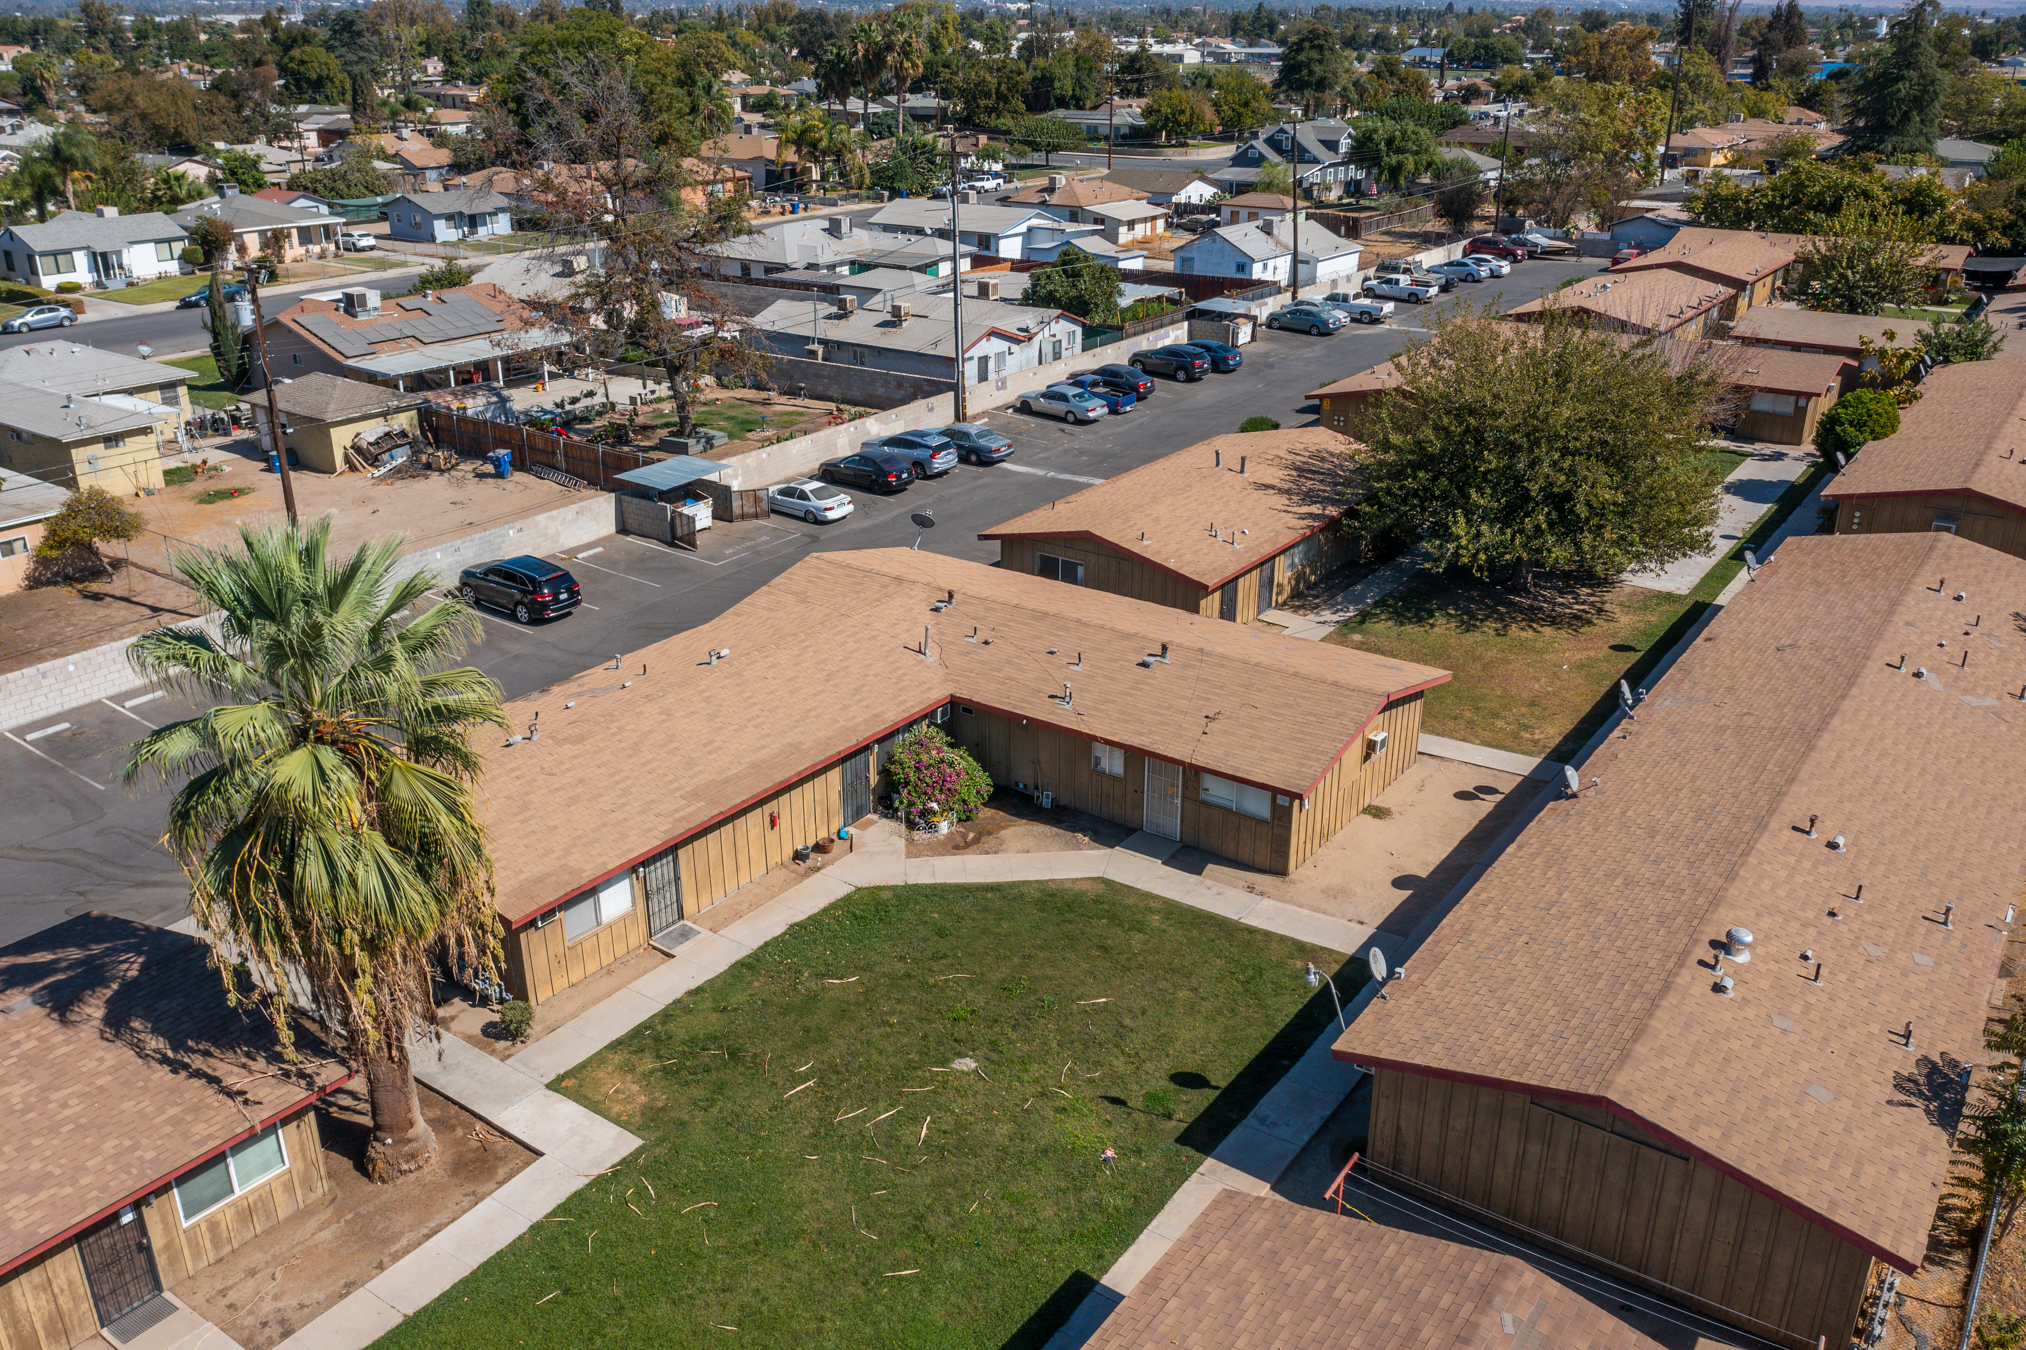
[998, 363]
[1058, 569]
[1942, 525]
[13, 548]
[115, 442]
[597, 907]
[1240, 797]
[1779, 405]
[234, 1172]
[164, 251]
[1107, 759]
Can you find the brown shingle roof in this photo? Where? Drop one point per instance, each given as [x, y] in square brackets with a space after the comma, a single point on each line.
[1954, 440]
[1736, 257]
[1161, 513]
[824, 659]
[1076, 192]
[1260, 1273]
[120, 1066]
[1808, 373]
[1659, 301]
[423, 156]
[323, 397]
[1579, 966]
[1773, 325]
[1264, 201]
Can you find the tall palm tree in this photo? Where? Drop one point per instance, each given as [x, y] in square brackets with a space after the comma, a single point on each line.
[836, 76]
[906, 53]
[169, 189]
[34, 184]
[802, 137]
[71, 152]
[867, 45]
[847, 146]
[326, 817]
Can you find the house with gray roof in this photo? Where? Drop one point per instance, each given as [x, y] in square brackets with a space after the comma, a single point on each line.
[1167, 187]
[95, 249]
[991, 228]
[70, 365]
[446, 217]
[24, 504]
[1264, 250]
[1318, 155]
[1955, 153]
[288, 233]
[915, 335]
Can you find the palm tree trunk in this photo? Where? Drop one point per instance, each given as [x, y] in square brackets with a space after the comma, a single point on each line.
[402, 1140]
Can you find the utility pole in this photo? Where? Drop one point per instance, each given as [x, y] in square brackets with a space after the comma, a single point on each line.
[1111, 99]
[958, 404]
[275, 447]
[1504, 153]
[1674, 103]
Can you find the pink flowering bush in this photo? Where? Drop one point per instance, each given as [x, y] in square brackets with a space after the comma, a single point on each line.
[933, 776]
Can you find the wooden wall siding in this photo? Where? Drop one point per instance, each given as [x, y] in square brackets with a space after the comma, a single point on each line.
[714, 863]
[47, 1305]
[1798, 428]
[1977, 519]
[1665, 1221]
[1107, 569]
[1043, 758]
[180, 1251]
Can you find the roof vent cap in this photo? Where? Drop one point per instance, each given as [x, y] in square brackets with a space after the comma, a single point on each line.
[1738, 945]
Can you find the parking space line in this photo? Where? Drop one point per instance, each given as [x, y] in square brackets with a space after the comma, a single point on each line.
[137, 702]
[48, 731]
[1050, 473]
[59, 764]
[610, 573]
[136, 716]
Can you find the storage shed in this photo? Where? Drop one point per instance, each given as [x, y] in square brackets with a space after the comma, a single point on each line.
[1226, 529]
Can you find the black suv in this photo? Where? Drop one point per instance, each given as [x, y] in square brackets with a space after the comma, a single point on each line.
[1120, 379]
[1184, 363]
[527, 588]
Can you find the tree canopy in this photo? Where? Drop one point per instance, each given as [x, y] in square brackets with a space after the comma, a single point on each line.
[1078, 284]
[1900, 88]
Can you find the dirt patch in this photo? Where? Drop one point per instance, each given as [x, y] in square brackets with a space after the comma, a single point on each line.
[478, 1024]
[276, 1284]
[1012, 823]
[54, 621]
[1391, 872]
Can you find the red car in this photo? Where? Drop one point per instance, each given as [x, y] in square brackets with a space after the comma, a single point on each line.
[1498, 246]
[1627, 254]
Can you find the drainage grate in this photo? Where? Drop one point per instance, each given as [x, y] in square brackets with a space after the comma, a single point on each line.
[668, 939]
[145, 1317]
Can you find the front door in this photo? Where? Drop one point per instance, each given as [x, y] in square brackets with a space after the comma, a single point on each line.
[855, 793]
[1265, 586]
[119, 1265]
[1164, 799]
[661, 877]
[1227, 601]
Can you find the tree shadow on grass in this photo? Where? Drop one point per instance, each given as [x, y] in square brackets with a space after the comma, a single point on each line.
[1049, 1317]
[1559, 602]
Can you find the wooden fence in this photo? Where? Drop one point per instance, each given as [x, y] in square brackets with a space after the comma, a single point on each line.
[1352, 225]
[597, 465]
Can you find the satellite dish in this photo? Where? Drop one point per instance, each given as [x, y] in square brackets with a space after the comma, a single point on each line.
[145, 350]
[924, 521]
[1376, 959]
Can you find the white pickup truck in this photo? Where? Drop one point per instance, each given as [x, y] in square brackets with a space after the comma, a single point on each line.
[1359, 309]
[1401, 288]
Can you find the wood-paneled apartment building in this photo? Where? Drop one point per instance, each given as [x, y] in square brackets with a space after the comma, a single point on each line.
[1957, 464]
[146, 1128]
[1226, 529]
[657, 788]
[1703, 1026]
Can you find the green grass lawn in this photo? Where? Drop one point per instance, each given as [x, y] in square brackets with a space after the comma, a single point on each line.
[738, 420]
[808, 1140]
[206, 390]
[153, 292]
[1537, 675]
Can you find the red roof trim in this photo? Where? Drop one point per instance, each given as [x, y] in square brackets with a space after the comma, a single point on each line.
[1257, 559]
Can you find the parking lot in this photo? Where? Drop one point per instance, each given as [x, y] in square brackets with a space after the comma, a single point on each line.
[76, 840]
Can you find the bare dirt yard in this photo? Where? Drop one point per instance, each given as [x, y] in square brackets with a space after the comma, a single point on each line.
[276, 1284]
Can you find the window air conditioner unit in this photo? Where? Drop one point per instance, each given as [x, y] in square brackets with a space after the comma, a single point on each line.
[943, 713]
[1377, 742]
[545, 920]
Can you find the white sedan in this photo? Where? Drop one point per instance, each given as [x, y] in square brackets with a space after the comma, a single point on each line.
[357, 241]
[811, 499]
[1497, 267]
[1071, 405]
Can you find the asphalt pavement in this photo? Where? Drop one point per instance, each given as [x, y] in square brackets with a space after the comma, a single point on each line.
[75, 840]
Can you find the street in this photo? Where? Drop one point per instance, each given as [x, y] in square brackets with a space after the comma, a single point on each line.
[75, 840]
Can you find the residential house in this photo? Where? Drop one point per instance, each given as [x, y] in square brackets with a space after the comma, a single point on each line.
[1226, 529]
[422, 162]
[1955, 465]
[1807, 330]
[1045, 243]
[708, 179]
[1656, 303]
[466, 97]
[1251, 206]
[276, 163]
[189, 165]
[1119, 119]
[1650, 229]
[450, 122]
[1955, 153]
[1165, 187]
[322, 413]
[828, 244]
[1752, 264]
[287, 233]
[1121, 212]
[1254, 1271]
[147, 1127]
[1225, 52]
[289, 198]
[755, 155]
[1700, 149]
[1492, 138]
[1258, 750]
[1425, 56]
[928, 255]
[1320, 157]
[1756, 819]
[8, 51]
[471, 335]
[445, 217]
[432, 67]
[97, 249]
[989, 228]
[916, 334]
[1759, 133]
[66, 365]
[1263, 250]
[25, 503]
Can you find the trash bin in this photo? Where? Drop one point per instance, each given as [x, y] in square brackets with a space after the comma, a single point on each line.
[273, 462]
[794, 208]
[503, 463]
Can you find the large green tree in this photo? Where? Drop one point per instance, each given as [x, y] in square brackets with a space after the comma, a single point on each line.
[1078, 284]
[1808, 195]
[325, 815]
[1899, 89]
[1506, 447]
[1311, 66]
[1045, 136]
[1863, 262]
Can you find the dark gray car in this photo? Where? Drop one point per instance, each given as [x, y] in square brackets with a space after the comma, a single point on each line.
[977, 444]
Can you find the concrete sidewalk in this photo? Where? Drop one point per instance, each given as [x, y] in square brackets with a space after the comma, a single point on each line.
[1751, 490]
[1340, 608]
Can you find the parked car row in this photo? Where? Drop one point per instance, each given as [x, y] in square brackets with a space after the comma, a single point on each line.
[887, 464]
[1119, 387]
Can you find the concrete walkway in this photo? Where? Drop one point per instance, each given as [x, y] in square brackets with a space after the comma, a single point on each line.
[1747, 494]
[1340, 608]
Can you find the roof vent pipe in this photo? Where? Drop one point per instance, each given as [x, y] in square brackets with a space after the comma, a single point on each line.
[1837, 844]
[1243, 472]
[1217, 461]
[1738, 945]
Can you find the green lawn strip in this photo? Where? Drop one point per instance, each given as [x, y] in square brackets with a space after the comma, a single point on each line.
[1538, 675]
[776, 1125]
[206, 390]
[152, 292]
